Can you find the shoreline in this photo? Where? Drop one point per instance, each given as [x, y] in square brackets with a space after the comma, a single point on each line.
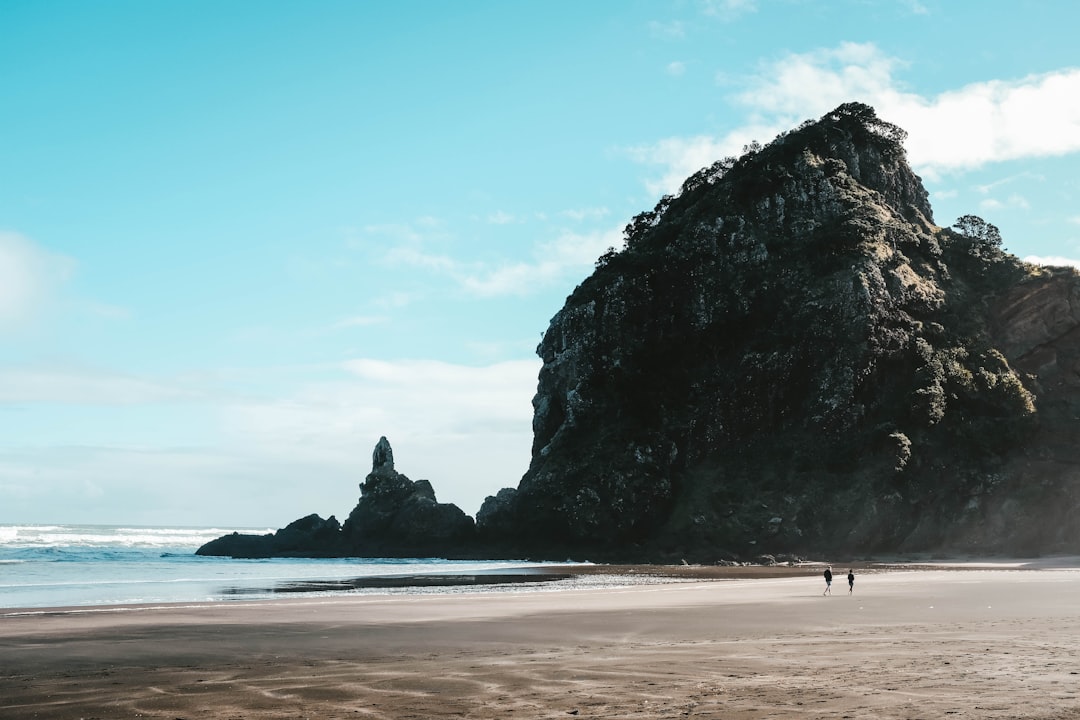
[623, 575]
[975, 642]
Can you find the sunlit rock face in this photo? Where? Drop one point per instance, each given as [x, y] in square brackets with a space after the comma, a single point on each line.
[790, 355]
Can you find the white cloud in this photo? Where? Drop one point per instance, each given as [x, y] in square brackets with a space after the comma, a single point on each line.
[1013, 201]
[82, 386]
[459, 426]
[408, 398]
[673, 30]
[986, 188]
[1036, 116]
[411, 233]
[394, 300]
[29, 274]
[980, 123]
[266, 458]
[360, 321]
[593, 213]
[676, 68]
[728, 9]
[570, 253]
[966, 128]
[401, 232]
[575, 250]
[418, 258]
[106, 310]
[680, 157]
[1053, 260]
[501, 218]
[169, 486]
[811, 84]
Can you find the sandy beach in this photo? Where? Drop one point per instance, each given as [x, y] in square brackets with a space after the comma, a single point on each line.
[994, 641]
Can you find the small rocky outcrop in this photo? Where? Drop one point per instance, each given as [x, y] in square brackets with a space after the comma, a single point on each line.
[395, 517]
[398, 517]
[309, 536]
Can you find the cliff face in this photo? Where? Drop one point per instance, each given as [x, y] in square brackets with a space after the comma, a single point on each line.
[791, 355]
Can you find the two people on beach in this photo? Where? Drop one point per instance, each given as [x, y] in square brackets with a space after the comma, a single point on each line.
[828, 581]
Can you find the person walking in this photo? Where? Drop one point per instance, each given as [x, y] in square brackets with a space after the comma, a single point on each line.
[850, 582]
[828, 581]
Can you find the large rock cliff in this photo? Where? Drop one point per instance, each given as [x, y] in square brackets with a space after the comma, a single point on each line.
[791, 355]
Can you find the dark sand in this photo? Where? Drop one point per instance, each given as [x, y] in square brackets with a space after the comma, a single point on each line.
[996, 642]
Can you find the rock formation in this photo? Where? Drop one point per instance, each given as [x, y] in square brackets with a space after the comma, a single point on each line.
[789, 355]
[309, 536]
[395, 517]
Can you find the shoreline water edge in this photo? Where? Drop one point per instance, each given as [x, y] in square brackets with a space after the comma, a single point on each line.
[73, 566]
[972, 639]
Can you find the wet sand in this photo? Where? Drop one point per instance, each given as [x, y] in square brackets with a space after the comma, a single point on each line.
[982, 642]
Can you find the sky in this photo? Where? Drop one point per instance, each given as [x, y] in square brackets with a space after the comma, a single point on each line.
[241, 241]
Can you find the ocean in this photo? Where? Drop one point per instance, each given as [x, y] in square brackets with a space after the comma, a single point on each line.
[86, 565]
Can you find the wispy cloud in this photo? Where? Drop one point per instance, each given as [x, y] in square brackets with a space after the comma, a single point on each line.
[85, 386]
[414, 232]
[676, 68]
[592, 213]
[453, 424]
[501, 218]
[429, 261]
[1013, 201]
[671, 30]
[680, 157]
[96, 483]
[360, 321]
[29, 275]
[106, 310]
[568, 254]
[989, 187]
[728, 10]
[301, 447]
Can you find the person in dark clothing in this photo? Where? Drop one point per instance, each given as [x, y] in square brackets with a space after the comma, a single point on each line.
[850, 582]
[828, 581]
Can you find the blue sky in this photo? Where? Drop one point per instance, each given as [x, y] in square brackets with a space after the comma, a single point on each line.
[240, 241]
